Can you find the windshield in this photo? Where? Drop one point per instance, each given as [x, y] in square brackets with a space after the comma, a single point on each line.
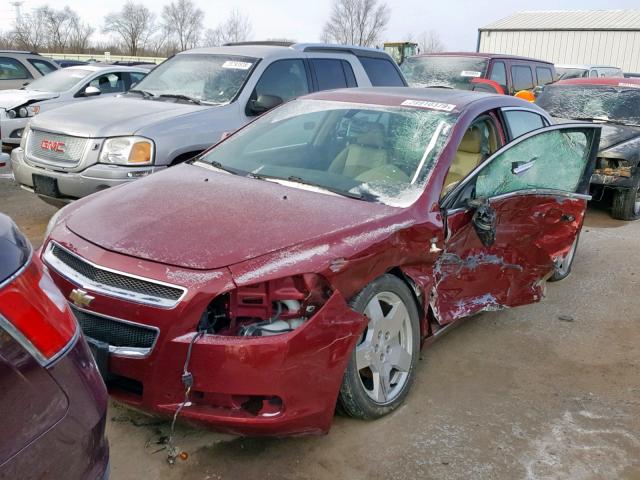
[565, 73]
[58, 81]
[618, 103]
[374, 153]
[442, 71]
[212, 79]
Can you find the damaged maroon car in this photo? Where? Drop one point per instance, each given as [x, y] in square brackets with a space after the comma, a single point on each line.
[303, 261]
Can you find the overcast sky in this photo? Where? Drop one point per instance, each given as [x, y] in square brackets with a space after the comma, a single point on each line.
[456, 21]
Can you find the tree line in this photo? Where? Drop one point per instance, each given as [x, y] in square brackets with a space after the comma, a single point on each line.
[135, 30]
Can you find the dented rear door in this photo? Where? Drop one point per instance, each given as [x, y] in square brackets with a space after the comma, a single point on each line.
[512, 219]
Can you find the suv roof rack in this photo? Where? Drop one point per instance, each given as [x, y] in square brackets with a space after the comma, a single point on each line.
[265, 43]
[352, 49]
[24, 52]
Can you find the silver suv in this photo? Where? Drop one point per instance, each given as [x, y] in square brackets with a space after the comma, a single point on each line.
[181, 108]
[20, 68]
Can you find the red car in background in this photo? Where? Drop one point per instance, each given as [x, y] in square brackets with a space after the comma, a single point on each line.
[484, 72]
[305, 259]
[613, 103]
[52, 400]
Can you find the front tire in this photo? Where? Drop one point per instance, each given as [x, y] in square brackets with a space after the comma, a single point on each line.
[626, 204]
[382, 366]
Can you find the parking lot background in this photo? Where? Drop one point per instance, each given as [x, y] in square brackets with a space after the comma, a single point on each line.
[550, 390]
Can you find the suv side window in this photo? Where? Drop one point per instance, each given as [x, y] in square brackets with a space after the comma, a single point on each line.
[520, 122]
[330, 73]
[42, 66]
[109, 83]
[286, 79]
[544, 75]
[12, 69]
[522, 77]
[381, 72]
[499, 74]
[593, 74]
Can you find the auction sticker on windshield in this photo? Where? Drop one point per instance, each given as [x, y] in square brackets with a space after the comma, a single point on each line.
[470, 73]
[236, 65]
[444, 107]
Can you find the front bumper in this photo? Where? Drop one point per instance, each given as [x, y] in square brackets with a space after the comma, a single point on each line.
[280, 385]
[74, 185]
[11, 130]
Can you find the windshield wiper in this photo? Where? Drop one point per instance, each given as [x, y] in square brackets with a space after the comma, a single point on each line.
[605, 120]
[144, 93]
[219, 166]
[302, 181]
[179, 96]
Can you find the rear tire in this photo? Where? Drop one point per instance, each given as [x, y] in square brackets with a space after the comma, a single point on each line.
[382, 366]
[626, 204]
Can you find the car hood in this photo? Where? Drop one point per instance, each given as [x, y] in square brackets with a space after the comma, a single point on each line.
[111, 117]
[15, 98]
[189, 216]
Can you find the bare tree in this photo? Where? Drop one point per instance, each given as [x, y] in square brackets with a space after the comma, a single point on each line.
[134, 24]
[183, 19]
[80, 35]
[430, 42]
[236, 28]
[30, 32]
[356, 22]
[59, 26]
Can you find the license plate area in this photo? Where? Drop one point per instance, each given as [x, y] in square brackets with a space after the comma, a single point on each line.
[44, 185]
[100, 352]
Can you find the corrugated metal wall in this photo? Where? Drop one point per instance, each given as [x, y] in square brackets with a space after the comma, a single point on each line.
[617, 48]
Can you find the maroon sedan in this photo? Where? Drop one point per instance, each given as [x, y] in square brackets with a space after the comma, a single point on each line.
[303, 261]
[52, 400]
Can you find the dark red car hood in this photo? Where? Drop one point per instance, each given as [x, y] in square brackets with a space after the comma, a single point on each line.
[191, 217]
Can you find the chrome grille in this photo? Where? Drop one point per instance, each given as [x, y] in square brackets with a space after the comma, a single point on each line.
[122, 337]
[74, 147]
[109, 282]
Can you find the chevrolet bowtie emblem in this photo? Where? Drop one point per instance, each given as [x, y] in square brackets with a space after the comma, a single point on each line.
[80, 298]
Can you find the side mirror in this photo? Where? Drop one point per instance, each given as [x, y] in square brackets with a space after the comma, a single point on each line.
[91, 91]
[262, 104]
[484, 220]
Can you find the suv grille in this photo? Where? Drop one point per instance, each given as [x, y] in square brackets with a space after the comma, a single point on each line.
[55, 148]
[114, 332]
[111, 283]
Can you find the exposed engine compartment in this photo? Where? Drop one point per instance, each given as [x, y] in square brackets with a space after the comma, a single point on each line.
[268, 308]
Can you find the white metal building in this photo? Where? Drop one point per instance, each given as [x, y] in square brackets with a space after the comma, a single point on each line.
[604, 37]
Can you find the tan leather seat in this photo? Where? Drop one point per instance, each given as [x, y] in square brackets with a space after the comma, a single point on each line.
[468, 157]
[365, 154]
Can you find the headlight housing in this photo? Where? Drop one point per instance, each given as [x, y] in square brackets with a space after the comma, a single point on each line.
[130, 151]
[23, 112]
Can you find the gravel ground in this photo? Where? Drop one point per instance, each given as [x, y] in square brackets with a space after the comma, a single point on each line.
[546, 391]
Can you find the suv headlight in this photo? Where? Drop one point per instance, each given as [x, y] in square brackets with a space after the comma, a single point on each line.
[127, 151]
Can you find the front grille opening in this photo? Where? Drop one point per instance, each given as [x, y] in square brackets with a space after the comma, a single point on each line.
[115, 333]
[122, 282]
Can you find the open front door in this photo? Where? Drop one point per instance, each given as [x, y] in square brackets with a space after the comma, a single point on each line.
[513, 220]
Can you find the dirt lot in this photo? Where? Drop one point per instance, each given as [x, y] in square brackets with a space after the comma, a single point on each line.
[514, 394]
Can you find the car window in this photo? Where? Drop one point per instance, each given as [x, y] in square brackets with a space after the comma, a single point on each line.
[554, 160]
[499, 74]
[136, 77]
[520, 122]
[593, 74]
[329, 73]
[348, 71]
[286, 79]
[544, 75]
[42, 66]
[12, 69]
[109, 82]
[381, 72]
[522, 77]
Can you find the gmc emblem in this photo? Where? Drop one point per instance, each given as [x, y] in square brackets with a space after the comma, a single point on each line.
[53, 146]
